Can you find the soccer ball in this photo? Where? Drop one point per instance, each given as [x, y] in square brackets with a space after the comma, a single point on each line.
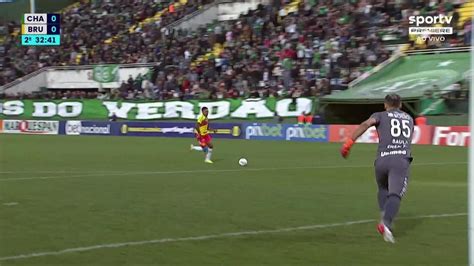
[243, 162]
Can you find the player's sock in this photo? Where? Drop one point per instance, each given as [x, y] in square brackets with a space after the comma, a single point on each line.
[382, 198]
[391, 209]
[196, 148]
[209, 154]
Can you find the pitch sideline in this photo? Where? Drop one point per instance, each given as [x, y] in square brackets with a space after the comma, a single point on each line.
[214, 236]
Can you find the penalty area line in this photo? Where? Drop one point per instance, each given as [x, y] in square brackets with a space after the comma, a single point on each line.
[214, 236]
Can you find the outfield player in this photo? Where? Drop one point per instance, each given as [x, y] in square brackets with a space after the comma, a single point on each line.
[202, 135]
[395, 130]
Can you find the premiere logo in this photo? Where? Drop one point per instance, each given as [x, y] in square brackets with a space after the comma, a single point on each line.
[425, 26]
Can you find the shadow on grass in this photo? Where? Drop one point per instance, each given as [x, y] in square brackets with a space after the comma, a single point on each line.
[404, 226]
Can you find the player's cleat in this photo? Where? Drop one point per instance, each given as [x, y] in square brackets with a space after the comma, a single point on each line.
[386, 233]
[208, 161]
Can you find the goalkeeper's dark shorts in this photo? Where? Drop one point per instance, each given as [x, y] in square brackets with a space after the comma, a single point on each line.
[392, 174]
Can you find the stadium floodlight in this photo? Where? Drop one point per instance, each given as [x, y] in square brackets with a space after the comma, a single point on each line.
[32, 6]
[470, 189]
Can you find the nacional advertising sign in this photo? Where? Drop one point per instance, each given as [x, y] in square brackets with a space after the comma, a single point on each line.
[339, 133]
[89, 128]
[452, 136]
[263, 131]
[170, 129]
[31, 127]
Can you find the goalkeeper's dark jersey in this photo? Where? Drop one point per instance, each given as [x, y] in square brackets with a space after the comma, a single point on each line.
[395, 130]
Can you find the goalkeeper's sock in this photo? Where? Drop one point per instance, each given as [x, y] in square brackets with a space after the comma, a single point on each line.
[196, 148]
[209, 154]
[392, 206]
[382, 197]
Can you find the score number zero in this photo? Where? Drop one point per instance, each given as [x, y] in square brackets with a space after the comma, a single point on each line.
[53, 29]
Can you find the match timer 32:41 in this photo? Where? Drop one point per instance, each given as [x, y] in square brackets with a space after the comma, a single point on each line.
[41, 29]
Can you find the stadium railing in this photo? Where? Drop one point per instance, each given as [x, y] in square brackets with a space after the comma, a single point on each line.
[440, 50]
[376, 69]
[177, 24]
[208, 14]
[37, 79]
[398, 54]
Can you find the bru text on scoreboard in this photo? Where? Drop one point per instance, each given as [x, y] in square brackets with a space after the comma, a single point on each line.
[41, 29]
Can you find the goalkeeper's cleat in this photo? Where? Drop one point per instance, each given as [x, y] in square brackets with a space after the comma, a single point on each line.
[208, 161]
[386, 233]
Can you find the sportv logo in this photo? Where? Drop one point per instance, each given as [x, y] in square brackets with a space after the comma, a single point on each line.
[431, 25]
[422, 20]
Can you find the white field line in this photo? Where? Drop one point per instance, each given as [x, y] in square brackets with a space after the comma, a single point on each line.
[79, 171]
[440, 184]
[10, 203]
[213, 236]
[246, 169]
[58, 172]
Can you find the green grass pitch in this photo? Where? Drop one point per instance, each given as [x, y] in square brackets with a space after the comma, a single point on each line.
[61, 193]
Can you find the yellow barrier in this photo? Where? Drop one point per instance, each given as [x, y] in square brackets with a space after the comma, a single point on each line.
[466, 11]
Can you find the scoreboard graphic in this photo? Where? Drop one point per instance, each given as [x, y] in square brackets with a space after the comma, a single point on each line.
[41, 30]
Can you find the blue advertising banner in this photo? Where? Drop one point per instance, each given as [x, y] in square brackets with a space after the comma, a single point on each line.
[263, 131]
[310, 133]
[88, 128]
[257, 131]
[171, 129]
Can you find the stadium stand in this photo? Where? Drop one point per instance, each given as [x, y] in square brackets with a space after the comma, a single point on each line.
[293, 48]
[87, 30]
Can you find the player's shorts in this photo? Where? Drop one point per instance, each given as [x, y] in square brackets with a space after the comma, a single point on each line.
[204, 140]
[392, 173]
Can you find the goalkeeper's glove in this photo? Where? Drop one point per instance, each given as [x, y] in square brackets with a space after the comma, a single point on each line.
[346, 147]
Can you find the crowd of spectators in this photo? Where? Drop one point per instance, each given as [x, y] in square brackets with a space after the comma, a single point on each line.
[86, 32]
[321, 47]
